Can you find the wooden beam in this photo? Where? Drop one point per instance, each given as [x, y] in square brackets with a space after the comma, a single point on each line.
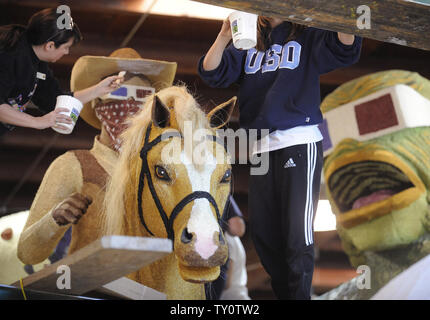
[101, 262]
[396, 21]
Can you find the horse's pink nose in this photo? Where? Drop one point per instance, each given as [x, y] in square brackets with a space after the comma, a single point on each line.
[187, 237]
[203, 246]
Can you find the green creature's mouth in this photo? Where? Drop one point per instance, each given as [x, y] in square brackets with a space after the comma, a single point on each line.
[370, 183]
[360, 184]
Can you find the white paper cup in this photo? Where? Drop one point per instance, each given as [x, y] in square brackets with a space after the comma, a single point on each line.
[243, 29]
[74, 106]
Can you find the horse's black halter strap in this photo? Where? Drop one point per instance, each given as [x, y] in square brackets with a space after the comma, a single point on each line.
[168, 221]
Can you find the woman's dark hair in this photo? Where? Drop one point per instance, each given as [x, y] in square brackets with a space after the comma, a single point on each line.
[263, 33]
[41, 28]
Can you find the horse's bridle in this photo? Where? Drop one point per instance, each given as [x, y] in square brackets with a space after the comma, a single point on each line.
[168, 221]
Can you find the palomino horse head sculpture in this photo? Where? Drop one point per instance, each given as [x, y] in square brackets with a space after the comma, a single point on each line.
[170, 184]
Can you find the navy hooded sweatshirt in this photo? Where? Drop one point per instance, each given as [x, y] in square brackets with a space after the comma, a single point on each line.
[279, 88]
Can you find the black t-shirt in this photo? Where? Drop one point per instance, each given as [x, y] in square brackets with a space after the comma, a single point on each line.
[23, 77]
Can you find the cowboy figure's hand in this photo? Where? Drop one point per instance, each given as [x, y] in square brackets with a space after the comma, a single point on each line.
[71, 209]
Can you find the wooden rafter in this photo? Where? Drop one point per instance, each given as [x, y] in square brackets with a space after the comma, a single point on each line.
[396, 21]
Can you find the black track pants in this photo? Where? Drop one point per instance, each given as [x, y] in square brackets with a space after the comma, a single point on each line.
[282, 206]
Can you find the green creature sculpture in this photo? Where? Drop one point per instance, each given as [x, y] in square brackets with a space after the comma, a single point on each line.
[377, 174]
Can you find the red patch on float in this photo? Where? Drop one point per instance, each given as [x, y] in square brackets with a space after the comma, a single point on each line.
[376, 115]
[142, 93]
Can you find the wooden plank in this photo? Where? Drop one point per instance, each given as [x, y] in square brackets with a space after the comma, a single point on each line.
[103, 261]
[396, 21]
[128, 289]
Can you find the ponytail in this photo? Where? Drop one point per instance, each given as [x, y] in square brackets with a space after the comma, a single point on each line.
[10, 35]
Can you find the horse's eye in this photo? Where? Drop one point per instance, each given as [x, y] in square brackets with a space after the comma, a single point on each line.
[227, 177]
[161, 173]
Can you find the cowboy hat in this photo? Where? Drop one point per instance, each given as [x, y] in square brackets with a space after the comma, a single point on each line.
[90, 70]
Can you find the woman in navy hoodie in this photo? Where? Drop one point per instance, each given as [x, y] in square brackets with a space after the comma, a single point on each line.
[279, 91]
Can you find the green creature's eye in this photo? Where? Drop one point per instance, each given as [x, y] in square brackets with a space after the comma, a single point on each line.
[227, 177]
[161, 173]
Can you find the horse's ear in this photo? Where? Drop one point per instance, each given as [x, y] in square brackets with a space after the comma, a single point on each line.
[219, 116]
[160, 113]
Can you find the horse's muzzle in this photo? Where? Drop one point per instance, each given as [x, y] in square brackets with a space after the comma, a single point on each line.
[201, 250]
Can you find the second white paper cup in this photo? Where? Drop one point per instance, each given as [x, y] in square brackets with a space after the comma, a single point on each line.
[243, 29]
[74, 106]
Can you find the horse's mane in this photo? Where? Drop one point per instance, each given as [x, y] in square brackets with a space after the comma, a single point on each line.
[185, 108]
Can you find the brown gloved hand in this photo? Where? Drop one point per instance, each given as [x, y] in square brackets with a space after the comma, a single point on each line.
[71, 209]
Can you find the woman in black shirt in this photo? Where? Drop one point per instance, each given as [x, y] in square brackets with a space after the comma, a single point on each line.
[25, 52]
